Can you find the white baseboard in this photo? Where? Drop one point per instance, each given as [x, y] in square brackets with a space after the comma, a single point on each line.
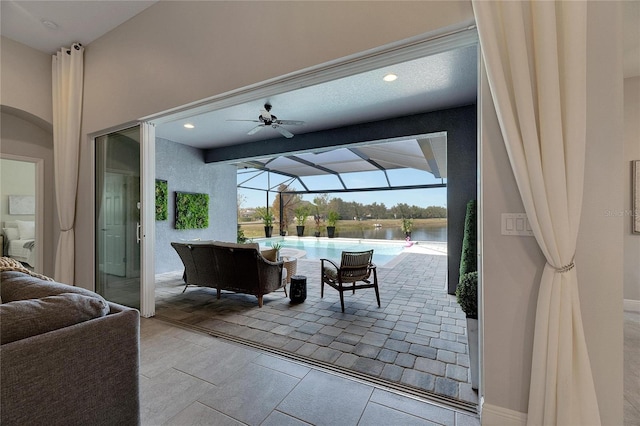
[498, 416]
[632, 305]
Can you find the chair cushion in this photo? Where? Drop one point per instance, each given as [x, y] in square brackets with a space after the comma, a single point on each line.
[330, 272]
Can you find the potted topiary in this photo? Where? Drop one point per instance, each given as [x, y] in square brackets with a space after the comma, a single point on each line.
[267, 220]
[467, 295]
[467, 289]
[332, 219]
[318, 221]
[407, 225]
[302, 213]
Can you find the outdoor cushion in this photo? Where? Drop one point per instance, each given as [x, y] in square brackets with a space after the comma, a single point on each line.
[24, 318]
[270, 254]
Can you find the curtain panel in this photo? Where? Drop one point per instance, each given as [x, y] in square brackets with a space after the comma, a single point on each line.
[535, 57]
[67, 79]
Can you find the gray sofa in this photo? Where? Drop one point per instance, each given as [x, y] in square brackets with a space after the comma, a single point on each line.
[68, 356]
[240, 268]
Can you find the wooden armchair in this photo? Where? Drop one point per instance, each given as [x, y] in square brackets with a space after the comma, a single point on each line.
[354, 267]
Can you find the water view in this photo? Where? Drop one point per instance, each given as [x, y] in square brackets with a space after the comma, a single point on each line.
[430, 232]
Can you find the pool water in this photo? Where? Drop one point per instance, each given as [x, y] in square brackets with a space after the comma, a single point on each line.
[325, 248]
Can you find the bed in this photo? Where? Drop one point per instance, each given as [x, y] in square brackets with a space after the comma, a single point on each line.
[20, 241]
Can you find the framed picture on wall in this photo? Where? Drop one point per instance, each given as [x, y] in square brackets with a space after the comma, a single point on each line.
[635, 206]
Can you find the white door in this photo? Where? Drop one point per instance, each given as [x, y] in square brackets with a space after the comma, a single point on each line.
[115, 231]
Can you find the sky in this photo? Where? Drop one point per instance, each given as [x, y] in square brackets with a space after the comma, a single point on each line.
[419, 197]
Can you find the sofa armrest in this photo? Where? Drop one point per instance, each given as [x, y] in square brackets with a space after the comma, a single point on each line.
[87, 373]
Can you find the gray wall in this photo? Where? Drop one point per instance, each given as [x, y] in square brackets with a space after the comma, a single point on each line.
[184, 170]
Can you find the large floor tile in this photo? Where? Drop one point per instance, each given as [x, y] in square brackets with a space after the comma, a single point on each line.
[376, 415]
[251, 394]
[414, 407]
[325, 399]
[218, 363]
[167, 394]
[198, 414]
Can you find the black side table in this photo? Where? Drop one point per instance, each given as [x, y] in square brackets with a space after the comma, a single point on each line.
[298, 288]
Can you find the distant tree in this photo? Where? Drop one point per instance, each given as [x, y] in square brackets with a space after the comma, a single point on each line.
[289, 204]
[435, 212]
[377, 211]
[241, 199]
[322, 203]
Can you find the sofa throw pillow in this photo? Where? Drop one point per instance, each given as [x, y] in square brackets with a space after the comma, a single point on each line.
[269, 254]
[11, 233]
[24, 318]
[27, 229]
[20, 286]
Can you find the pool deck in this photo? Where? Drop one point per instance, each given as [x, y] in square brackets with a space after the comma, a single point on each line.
[416, 339]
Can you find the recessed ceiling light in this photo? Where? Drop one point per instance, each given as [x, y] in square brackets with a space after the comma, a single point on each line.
[189, 126]
[390, 77]
[49, 24]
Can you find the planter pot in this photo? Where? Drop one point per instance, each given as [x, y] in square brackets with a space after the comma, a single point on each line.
[267, 231]
[300, 230]
[472, 339]
[331, 231]
[317, 234]
[407, 234]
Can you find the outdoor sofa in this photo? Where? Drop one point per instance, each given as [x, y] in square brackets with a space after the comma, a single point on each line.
[240, 268]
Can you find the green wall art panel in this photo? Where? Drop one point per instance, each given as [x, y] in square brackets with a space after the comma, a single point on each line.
[192, 210]
[162, 199]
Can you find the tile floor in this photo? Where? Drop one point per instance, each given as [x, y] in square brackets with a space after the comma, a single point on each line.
[416, 338]
[189, 378]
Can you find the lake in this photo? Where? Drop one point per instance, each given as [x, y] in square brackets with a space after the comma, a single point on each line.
[432, 232]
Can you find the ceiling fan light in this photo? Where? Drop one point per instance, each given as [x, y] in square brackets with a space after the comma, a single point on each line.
[390, 77]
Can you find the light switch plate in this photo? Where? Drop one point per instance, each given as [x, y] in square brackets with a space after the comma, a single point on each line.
[516, 224]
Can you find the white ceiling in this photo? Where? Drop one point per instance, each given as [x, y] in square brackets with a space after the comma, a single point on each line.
[77, 21]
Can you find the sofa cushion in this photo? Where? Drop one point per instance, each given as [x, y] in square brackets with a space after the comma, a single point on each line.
[20, 286]
[24, 318]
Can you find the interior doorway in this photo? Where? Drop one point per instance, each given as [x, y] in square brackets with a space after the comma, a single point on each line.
[21, 209]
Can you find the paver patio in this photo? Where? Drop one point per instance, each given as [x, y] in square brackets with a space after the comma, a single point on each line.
[415, 339]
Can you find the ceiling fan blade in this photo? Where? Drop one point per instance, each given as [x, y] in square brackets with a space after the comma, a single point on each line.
[255, 129]
[285, 132]
[290, 122]
[253, 121]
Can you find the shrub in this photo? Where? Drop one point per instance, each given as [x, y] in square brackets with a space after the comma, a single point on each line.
[469, 256]
[467, 294]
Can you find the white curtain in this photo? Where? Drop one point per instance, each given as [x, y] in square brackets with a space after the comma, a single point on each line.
[535, 56]
[67, 78]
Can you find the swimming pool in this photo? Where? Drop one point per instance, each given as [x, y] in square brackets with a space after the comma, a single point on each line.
[331, 248]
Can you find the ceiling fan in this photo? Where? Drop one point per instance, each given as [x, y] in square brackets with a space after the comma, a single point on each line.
[267, 119]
